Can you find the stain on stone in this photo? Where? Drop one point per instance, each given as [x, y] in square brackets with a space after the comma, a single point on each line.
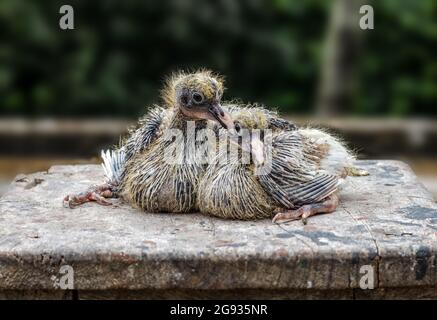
[284, 235]
[282, 253]
[150, 242]
[422, 256]
[355, 258]
[175, 231]
[390, 172]
[369, 162]
[33, 183]
[373, 255]
[241, 244]
[432, 227]
[144, 248]
[234, 245]
[21, 179]
[303, 264]
[357, 229]
[397, 222]
[420, 213]
[316, 237]
[391, 168]
[229, 243]
[398, 234]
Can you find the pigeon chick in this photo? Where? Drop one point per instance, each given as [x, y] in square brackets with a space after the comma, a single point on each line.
[139, 170]
[295, 176]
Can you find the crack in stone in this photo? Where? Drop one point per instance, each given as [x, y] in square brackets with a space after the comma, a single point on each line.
[375, 241]
[33, 183]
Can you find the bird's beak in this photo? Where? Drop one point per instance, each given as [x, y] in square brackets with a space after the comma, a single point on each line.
[217, 113]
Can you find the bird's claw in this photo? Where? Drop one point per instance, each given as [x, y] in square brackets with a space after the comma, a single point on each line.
[73, 201]
[327, 206]
[357, 172]
[287, 216]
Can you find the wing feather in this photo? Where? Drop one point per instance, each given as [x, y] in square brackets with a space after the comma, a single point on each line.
[140, 138]
[295, 177]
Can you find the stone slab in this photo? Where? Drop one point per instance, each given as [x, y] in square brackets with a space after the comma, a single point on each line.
[387, 220]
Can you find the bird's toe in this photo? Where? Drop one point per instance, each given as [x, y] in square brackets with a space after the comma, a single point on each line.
[286, 216]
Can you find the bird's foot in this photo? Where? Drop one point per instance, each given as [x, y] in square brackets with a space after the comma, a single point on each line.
[356, 172]
[97, 194]
[327, 206]
[284, 215]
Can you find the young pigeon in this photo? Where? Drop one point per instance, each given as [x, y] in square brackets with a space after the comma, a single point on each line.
[296, 176]
[139, 171]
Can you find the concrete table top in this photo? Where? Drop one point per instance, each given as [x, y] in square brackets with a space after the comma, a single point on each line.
[386, 220]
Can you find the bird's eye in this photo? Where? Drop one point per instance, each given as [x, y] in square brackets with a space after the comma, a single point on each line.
[197, 98]
[237, 126]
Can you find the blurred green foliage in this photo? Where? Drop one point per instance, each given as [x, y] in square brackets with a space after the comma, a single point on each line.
[114, 61]
[398, 65]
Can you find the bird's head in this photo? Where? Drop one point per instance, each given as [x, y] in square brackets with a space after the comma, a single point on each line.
[250, 125]
[198, 96]
[250, 119]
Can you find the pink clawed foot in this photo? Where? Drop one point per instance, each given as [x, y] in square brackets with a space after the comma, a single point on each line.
[97, 194]
[327, 206]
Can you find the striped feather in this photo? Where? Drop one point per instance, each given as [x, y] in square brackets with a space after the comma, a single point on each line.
[295, 177]
[113, 165]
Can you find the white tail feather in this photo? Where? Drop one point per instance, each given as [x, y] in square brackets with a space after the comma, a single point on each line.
[113, 163]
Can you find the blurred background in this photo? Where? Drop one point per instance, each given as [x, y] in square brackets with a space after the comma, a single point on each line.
[66, 94]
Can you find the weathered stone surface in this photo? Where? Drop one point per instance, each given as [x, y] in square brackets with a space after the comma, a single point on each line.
[386, 220]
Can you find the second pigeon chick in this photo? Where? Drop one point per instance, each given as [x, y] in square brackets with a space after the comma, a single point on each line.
[294, 177]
